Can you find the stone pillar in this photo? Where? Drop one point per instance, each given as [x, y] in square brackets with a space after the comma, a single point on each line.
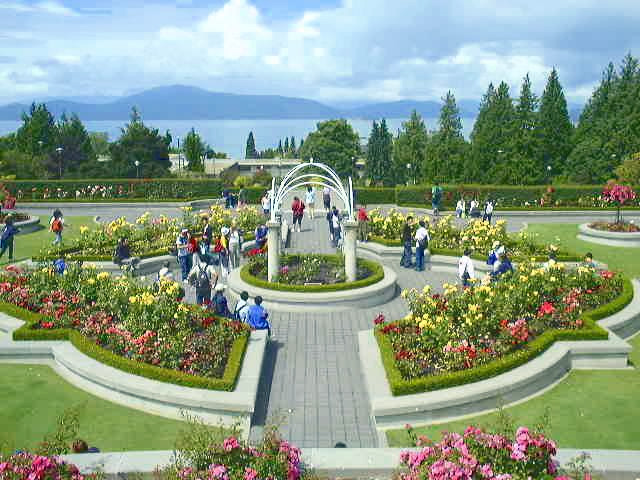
[273, 249]
[350, 228]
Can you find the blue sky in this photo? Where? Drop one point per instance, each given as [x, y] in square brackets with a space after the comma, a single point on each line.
[330, 50]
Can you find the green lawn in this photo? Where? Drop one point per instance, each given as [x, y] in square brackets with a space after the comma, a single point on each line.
[589, 409]
[30, 244]
[32, 397]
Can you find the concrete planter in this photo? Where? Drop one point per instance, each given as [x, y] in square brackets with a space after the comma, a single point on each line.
[369, 296]
[32, 224]
[521, 383]
[152, 396]
[614, 239]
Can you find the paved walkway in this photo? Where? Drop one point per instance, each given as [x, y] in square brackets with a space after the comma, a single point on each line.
[313, 380]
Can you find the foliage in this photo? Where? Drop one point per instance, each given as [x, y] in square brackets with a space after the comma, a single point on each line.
[379, 166]
[27, 466]
[409, 149]
[262, 178]
[629, 170]
[335, 143]
[618, 195]
[250, 150]
[465, 336]
[194, 150]
[141, 324]
[59, 441]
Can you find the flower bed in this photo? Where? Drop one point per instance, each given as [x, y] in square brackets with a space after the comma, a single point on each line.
[467, 335]
[479, 454]
[296, 270]
[133, 328]
[622, 227]
[447, 239]
[150, 237]
[27, 466]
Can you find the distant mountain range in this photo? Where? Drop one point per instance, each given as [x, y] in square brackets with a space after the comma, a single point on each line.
[180, 102]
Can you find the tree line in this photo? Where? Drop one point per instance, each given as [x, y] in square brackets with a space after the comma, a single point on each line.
[286, 149]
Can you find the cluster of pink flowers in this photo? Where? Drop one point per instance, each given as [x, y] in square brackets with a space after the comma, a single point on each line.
[519, 330]
[618, 194]
[480, 455]
[35, 467]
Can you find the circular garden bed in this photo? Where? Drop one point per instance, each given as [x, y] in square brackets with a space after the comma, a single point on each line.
[613, 234]
[17, 216]
[311, 273]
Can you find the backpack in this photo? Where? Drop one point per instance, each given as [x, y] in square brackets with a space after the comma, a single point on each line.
[237, 311]
[203, 282]
[56, 226]
[492, 258]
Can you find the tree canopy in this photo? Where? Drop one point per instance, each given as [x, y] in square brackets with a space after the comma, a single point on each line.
[335, 143]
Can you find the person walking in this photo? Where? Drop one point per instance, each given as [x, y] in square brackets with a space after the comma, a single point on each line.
[363, 224]
[422, 242]
[56, 225]
[310, 199]
[235, 242]
[222, 249]
[326, 198]
[459, 208]
[474, 209]
[436, 197]
[9, 231]
[266, 204]
[335, 224]
[329, 217]
[203, 277]
[407, 242]
[488, 211]
[182, 246]
[466, 270]
[207, 235]
[297, 207]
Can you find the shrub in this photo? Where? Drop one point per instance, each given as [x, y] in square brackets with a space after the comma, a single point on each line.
[27, 466]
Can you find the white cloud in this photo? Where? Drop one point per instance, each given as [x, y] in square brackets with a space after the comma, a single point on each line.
[50, 7]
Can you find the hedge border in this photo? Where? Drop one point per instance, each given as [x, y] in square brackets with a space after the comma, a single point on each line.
[570, 257]
[376, 269]
[590, 331]
[226, 383]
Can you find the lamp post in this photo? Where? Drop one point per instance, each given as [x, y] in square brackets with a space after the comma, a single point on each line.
[137, 164]
[409, 174]
[549, 173]
[179, 154]
[59, 151]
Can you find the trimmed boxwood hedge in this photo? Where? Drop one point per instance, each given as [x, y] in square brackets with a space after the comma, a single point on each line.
[590, 331]
[375, 268]
[86, 346]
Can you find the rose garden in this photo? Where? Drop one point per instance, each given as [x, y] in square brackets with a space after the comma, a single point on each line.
[473, 382]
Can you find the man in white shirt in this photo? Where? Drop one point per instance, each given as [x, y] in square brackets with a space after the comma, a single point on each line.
[488, 211]
[422, 242]
[242, 307]
[466, 271]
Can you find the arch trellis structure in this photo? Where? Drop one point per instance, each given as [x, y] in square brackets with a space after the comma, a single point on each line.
[293, 180]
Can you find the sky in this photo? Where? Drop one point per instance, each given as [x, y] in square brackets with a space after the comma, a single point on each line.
[334, 51]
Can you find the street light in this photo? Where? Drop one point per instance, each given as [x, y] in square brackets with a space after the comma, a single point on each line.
[409, 173]
[137, 164]
[179, 155]
[59, 151]
[549, 173]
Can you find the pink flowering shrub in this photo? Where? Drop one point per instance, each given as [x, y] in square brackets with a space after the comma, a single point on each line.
[27, 466]
[477, 454]
[232, 459]
[618, 195]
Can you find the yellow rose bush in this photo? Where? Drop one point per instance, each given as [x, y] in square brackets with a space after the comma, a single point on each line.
[464, 328]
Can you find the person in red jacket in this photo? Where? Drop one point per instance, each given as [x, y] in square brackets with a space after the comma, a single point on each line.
[363, 224]
[297, 207]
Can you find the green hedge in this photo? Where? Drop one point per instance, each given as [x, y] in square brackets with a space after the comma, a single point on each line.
[375, 196]
[590, 331]
[145, 189]
[375, 268]
[86, 346]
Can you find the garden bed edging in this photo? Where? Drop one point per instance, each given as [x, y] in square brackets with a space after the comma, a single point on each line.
[613, 239]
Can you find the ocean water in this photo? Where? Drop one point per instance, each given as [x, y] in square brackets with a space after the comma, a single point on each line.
[230, 136]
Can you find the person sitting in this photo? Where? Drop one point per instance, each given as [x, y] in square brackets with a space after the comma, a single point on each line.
[122, 254]
[503, 266]
[165, 272]
[493, 254]
[257, 316]
[219, 302]
[203, 277]
[60, 266]
[261, 236]
[241, 311]
[553, 259]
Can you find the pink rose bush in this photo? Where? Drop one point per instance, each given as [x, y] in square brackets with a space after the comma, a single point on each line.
[27, 466]
[618, 195]
[461, 329]
[477, 455]
[274, 459]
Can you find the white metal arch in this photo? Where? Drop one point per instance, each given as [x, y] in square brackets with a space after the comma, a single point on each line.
[292, 181]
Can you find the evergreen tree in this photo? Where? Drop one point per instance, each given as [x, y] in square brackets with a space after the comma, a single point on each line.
[141, 143]
[77, 156]
[447, 147]
[554, 126]
[526, 167]
[250, 150]
[280, 150]
[36, 136]
[292, 145]
[286, 145]
[379, 168]
[409, 149]
[334, 143]
[194, 150]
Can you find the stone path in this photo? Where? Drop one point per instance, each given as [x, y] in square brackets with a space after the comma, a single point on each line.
[312, 378]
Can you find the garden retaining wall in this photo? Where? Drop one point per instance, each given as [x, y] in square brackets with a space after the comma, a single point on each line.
[340, 463]
[613, 239]
[519, 384]
[152, 396]
[32, 224]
